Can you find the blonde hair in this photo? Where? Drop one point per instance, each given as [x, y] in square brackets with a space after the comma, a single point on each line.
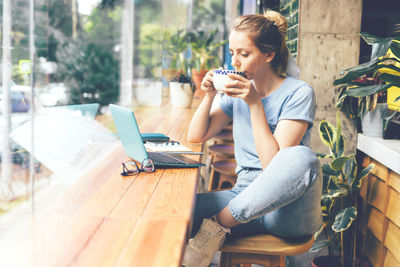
[269, 35]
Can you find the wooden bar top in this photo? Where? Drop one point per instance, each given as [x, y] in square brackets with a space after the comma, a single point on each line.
[106, 219]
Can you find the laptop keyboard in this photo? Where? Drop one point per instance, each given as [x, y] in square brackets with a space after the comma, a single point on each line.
[164, 158]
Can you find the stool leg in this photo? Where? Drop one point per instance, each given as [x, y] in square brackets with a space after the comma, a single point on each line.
[283, 261]
[225, 182]
[214, 180]
[225, 260]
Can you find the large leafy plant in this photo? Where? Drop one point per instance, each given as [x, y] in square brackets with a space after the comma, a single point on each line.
[204, 49]
[342, 180]
[176, 46]
[361, 86]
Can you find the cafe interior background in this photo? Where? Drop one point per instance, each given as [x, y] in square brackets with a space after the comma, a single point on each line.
[59, 57]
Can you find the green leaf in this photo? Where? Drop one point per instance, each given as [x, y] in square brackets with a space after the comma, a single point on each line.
[390, 66]
[335, 193]
[327, 170]
[339, 144]
[361, 107]
[390, 78]
[371, 39]
[323, 156]
[338, 148]
[338, 163]
[327, 133]
[395, 47]
[381, 48]
[317, 246]
[350, 170]
[360, 177]
[366, 90]
[344, 219]
[326, 205]
[338, 181]
[316, 234]
[350, 74]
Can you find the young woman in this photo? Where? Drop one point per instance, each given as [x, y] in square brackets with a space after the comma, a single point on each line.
[278, 188]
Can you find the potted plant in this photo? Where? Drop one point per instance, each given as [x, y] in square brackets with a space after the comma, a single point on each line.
[204, 53]
[341, 182]
[180, 84]
[362, 87]
[176, 46]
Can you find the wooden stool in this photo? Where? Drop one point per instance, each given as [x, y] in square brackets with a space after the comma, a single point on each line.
[224, 136]
[228, 127]
[223, 175]
[221, 152]
[266, 250]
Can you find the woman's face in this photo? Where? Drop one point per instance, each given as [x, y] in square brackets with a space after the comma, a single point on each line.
[246, 57]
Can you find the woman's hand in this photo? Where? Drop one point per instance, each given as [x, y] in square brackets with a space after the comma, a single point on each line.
[207, 84]
[243, 88]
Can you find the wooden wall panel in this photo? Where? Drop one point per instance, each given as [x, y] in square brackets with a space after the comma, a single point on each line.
[380, 170]
[391, 261]
[377, 192]
[375, 223]
[379, 216]
[394, 181]
[372, 249]
[393, 211]
[392, 240]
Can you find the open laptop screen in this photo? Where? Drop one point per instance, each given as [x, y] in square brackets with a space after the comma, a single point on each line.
[128, 132]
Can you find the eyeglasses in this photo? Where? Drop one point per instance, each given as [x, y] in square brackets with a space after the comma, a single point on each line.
[130, 168]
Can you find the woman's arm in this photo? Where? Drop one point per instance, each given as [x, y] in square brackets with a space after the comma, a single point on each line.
[208, 120]
[265, 142]
[290, 132]
[287, 133]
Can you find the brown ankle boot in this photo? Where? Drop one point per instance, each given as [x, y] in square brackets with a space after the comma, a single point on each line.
[202, 247]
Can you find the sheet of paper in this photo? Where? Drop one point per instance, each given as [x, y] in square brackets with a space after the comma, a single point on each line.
[166, 147]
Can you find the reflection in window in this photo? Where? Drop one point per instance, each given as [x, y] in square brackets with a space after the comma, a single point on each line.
[86, 52]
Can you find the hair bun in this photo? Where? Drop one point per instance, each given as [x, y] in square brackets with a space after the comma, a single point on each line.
[278, 19]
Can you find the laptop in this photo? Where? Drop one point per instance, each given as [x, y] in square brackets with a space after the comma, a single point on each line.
[131, 139]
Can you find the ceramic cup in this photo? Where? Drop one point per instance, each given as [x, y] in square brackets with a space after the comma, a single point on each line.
[220, 77]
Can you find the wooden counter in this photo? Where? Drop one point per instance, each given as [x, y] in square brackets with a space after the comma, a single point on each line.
[106, 219]
[380, 197]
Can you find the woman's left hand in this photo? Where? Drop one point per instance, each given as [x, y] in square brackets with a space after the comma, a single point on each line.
[242, 88]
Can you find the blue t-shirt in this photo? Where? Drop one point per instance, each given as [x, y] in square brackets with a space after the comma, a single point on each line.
[294, 100]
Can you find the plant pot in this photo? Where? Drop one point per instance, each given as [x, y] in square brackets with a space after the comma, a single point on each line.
[197, 77]
[181, 94]
[372, 123]
[392, 131]
[148, 93]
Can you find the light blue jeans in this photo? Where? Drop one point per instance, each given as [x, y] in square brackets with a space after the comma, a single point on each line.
[284, 199]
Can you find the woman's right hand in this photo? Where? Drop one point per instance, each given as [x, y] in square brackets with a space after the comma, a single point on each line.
[207, 84]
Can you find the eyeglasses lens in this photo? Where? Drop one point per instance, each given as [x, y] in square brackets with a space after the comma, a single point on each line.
[129, 168]
[148, 165]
